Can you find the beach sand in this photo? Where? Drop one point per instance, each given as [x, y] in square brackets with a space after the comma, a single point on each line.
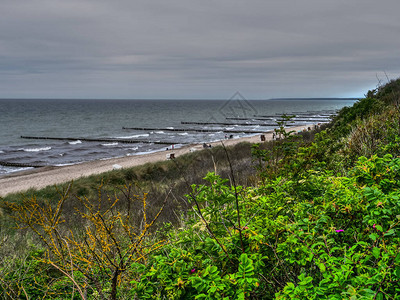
[42, 177]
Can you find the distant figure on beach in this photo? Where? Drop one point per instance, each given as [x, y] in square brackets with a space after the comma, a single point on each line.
[205, 145]
[231, 136]
[273, 135]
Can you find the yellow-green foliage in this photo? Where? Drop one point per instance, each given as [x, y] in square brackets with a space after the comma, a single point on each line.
[95, 259]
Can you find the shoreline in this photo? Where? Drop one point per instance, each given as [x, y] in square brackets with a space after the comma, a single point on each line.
[41, 177]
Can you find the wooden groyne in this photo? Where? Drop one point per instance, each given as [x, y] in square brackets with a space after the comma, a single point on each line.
[192, 129]
[230, 124]
[302, 115]
[269, 119]
[106, 140]
[20, 165]
[165, 129]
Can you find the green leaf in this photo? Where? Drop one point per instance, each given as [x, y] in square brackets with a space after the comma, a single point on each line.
[373, 236]
[306, 280]
[322, 267]
[376, 252]
[213, 270]
[390, 232]
[289, 287]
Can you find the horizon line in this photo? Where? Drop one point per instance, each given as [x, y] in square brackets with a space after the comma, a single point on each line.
[190, 99]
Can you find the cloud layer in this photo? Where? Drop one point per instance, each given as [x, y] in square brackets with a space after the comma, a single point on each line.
[196, 49]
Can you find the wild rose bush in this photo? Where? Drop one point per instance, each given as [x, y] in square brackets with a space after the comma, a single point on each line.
[340, 243]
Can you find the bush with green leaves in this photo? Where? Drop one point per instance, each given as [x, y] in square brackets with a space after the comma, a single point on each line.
[328, 237]
[346, 242]
[213, 256]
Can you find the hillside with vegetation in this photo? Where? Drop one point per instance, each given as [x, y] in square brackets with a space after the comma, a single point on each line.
[312, 216]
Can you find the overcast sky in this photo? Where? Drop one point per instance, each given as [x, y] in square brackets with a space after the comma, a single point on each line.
[196, 49]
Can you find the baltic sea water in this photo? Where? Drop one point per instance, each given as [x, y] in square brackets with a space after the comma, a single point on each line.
[106, 119]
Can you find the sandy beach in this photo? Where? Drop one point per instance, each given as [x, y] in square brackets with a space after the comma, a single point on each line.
[42, 177]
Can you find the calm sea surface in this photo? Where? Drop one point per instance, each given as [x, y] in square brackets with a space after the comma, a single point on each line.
[103, 119]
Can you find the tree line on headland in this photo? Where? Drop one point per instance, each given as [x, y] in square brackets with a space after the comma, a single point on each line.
[314, 215]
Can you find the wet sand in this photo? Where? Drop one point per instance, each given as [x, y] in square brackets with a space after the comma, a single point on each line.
[42, 177]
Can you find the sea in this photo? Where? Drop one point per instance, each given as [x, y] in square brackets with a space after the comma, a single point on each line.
[57, 132]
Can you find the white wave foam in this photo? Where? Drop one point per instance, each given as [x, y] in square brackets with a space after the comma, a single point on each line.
[66, 164]
[8, 170]
[134, 148]
[109, 144]
[36, 149]
[183, 133]
[160, 132]
[170, 127]
[75, 142]
[133, 136]
[1, 151]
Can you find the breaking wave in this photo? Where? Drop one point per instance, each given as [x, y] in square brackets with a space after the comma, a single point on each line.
[133, 136]
[75, 142]
[36, 149]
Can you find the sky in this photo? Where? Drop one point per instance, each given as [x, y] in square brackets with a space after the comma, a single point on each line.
[191, 49]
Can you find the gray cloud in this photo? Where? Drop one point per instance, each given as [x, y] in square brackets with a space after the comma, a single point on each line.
[196, 49]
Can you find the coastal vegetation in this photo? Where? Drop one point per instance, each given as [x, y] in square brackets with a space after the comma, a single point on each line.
[314, 215]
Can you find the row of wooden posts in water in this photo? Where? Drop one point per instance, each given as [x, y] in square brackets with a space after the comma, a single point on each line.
[298, 117]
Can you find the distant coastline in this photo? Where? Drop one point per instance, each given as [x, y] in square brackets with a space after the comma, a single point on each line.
[329, 99]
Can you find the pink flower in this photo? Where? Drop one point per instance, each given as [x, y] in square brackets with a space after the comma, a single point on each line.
[192, 270]
[339, 230]
[374, 226]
